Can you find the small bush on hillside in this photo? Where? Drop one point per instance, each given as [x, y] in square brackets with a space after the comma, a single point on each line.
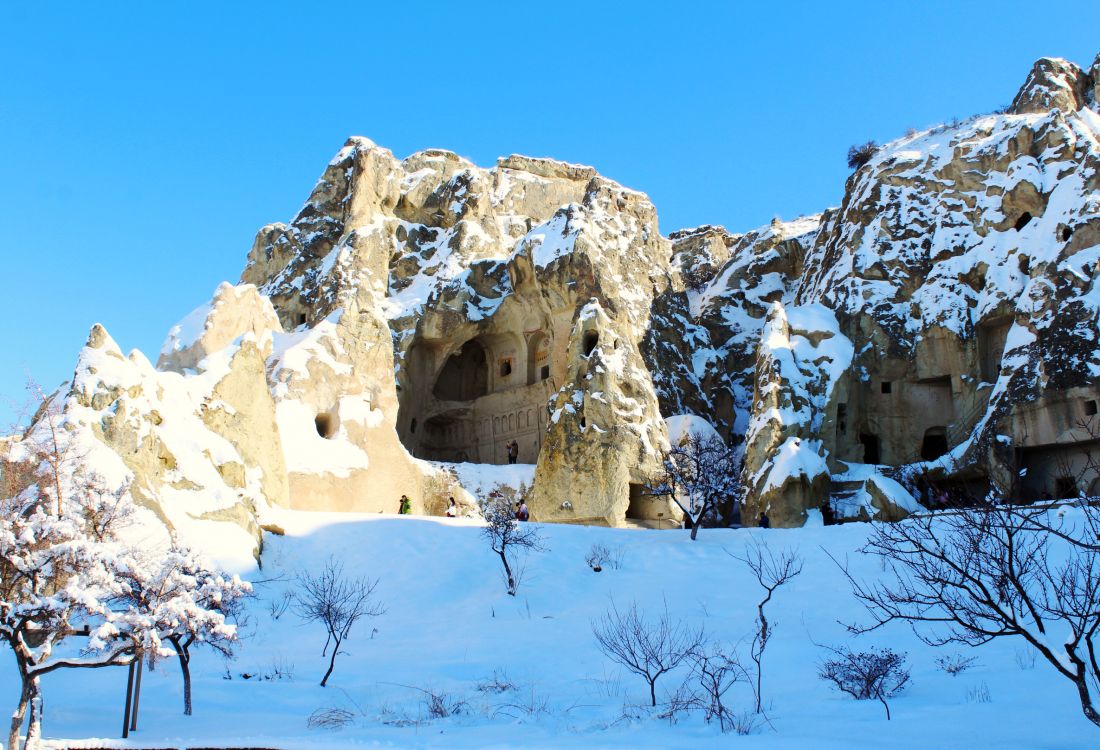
[877, 674]
[955, 664]
[860, 155]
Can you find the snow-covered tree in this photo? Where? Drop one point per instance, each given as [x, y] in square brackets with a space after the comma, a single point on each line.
[66, 571]
[700, 473]
[181, 604]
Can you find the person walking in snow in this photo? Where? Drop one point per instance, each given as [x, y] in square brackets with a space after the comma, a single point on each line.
[763, 521]
[513, 452]
[522, 514]
[452, 509]
[406, 506]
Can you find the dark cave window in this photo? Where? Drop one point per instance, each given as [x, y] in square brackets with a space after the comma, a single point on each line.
[326, 425]
[301, 319]
[506, 368]
[591, 338]
[1090, 408]
[1067, 232]
[544, 374]
[1023, 221]
[887, 386]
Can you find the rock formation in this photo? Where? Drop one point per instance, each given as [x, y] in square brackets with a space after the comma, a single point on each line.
[939, 326]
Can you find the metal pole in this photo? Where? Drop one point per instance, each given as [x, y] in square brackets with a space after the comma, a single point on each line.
[137, 693]
[129, 698]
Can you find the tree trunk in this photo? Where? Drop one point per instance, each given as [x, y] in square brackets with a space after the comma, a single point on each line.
[695, 526]
[34, 728]
[1086, 699]
[653, 693]
[331, 662]
[137, 691]
[185, 669]
[20, 714]
[508, 574]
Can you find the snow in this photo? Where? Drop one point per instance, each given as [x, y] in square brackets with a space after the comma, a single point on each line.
[449, 626]
[682, 425]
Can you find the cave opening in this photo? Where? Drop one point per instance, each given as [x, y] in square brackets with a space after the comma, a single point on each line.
[588, 343]
[870, 444]
[325, 424]
[1023, 221]
[934, 443]
[465, 376]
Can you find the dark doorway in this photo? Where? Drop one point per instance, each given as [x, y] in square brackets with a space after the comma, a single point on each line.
[870, 448]
[934, 444]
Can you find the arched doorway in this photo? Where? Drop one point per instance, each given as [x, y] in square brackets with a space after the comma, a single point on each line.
[934, 444]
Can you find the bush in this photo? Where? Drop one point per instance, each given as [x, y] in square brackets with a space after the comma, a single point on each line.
[955, 664]
[600, 557]
[877, 674]
[860, 155]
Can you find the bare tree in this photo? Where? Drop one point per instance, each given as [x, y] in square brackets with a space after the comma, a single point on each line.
[506, 534]
[772, 571]
[877, 674]
[337, 602]
[647, 647]
[699, 474]
[717, 670]
[979, 574]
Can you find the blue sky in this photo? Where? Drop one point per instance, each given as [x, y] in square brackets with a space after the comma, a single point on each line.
[142, 145]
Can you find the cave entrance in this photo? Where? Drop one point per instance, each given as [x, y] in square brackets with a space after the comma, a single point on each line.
[465, 377]
[645, 508]
[870, 444]
[934, 444]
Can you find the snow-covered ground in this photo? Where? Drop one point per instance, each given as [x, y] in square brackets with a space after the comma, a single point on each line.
[450, 627]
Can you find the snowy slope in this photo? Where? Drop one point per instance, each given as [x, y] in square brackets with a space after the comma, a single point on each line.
[449, 626]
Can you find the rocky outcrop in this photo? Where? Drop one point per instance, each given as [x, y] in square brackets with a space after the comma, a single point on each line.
[939, 326]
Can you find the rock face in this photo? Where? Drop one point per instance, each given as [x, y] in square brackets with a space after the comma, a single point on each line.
[939, 326]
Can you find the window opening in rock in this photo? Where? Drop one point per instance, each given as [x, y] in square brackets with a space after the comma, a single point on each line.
[1090, 408]
[326, 425]
[934, 444]
[1065, 488]
[412, 426]
[544, 373]
[870, 448]
[1023, 221]
[465, 376]
[1067, 232]
[841, 419]
[506, 368]
[583, 423]
[887, 386]
[591, 338]
[301, 319]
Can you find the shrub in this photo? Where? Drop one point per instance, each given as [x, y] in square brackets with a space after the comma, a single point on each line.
[860, 155]
[877, 674]
[955, 664]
